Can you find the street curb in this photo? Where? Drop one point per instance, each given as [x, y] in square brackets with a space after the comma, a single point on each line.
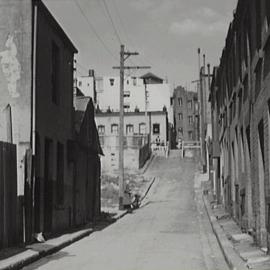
[118, 216]
[233, 260]
[29, 256]
[149, 187]
[147, 164]
[145, 194]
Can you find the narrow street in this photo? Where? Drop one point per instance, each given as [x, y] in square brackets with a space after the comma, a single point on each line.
[170, 231]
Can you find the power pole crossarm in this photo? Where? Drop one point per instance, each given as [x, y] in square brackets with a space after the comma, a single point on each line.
[133, 67]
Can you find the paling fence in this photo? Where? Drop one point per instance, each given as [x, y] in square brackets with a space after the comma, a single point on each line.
[8, 195]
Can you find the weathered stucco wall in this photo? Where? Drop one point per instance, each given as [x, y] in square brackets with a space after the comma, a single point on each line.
[15, 77]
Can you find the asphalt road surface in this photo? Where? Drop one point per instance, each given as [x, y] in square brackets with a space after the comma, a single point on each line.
[170, 232]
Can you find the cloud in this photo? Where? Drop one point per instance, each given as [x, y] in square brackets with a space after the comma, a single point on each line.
[208, 13]
[143, 4]
[199, 27]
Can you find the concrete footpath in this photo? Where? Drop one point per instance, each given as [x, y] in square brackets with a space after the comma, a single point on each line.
[238, 248]
[36, 251]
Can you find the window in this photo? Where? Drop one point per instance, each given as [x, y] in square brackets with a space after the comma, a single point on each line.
[180, 116]
[101, 130]
[134, 81]
[180, 132]
[156, 129]
[190, 120]
[267, 10]
[60, 173]
[261, 139]
[126, 93]
[80, 83]
[231, 113]
[180, 102]
[196, 106]
[196, 120]
[114, 129]
[248, 139]
[126, 106]
[245, 89]
[267, 60]
[129, 129]
[239, 102]
[127, 81]
[111, 81]
[190, 135]
[189, 104]
[258, 78]
[55, 73]
[233, 106]
[142, 128]
[258, 22]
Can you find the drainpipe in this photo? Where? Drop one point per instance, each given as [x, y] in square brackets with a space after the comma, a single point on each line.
[33, 119]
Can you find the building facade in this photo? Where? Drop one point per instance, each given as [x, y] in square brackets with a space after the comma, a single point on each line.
[87, 85]
[37, 115]
[186, 114]
[137, 141]
[140, 93]
[240, 99]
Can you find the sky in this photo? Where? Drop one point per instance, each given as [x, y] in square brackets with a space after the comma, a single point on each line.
[165, 33]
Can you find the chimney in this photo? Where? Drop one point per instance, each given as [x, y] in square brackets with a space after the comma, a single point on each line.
[91, 73]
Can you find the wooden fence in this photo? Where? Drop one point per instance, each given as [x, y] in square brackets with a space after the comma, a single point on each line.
[8, 195]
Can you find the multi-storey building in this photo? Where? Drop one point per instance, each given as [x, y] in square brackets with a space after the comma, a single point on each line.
[240, 98]
[148, 92]
[87, 85]
[186, 114]
[136, 138]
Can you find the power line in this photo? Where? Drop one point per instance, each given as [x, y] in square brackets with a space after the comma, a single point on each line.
[113, 25]
[128, 39]
[93, 29]
[82, 67]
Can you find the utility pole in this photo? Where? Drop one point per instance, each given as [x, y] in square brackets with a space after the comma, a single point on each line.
[121, 129]
[200, 101]
[145, 105]
[123, 56]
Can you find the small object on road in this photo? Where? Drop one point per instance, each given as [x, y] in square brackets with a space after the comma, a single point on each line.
[39, 237]
[136, 201]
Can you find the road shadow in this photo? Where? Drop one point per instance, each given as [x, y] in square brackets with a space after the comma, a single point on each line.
[53, 257]
[154, 202]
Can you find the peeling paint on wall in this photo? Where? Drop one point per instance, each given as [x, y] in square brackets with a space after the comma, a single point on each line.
[11, 67]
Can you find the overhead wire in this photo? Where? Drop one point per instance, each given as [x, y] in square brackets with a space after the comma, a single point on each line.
[107, 13]
[81, 66]
[112, 22]
[127, 36]
[94, 30]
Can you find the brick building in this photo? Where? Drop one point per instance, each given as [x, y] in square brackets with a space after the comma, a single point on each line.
[185, 113]
[240, 102]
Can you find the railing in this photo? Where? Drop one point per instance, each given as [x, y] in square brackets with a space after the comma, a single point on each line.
[160, 149]
[130, 141]
[189, 145]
